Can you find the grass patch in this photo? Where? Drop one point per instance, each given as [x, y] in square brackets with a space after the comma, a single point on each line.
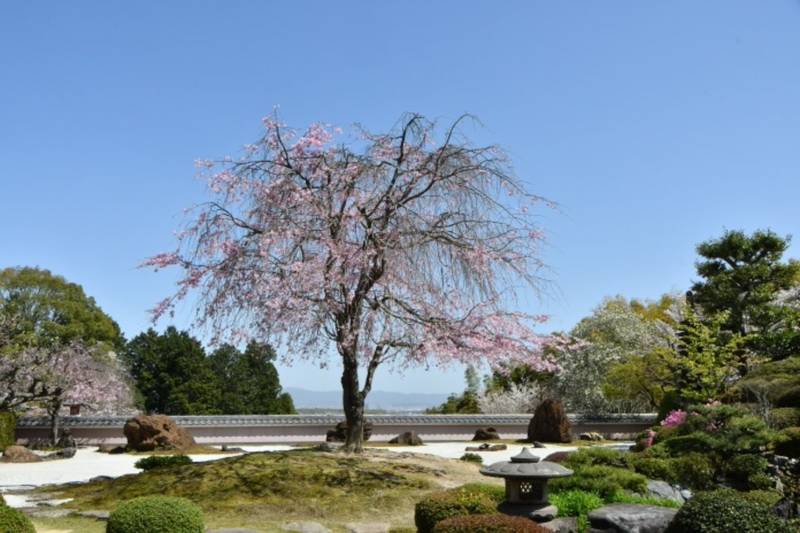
[262, 490]
[76, 524]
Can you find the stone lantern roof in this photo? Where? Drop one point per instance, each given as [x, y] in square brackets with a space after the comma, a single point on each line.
[526, 465]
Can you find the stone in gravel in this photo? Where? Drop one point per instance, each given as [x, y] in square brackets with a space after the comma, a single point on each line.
[407, 438]
[537, 444]
[19, 454]
[590, 435]
[687, 494]
[486, 434]
[631, 518]
[568, 524]
[99, 515]
[662, 489]
[306, 527]
[50, 513]
[544, 514]
[367, 528]
[156, 432]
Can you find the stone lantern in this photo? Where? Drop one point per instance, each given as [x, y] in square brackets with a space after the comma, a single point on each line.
[526, 485]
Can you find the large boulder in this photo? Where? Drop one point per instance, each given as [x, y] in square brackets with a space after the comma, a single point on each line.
[19, 454]
[407, 438]
[156, 432]
[549, 423]
[663, 490]
[630, 518]
[486, 434]
[339, 433]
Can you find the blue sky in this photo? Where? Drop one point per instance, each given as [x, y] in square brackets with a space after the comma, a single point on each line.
[654, 125]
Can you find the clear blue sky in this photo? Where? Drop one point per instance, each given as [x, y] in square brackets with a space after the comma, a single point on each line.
[653, 124]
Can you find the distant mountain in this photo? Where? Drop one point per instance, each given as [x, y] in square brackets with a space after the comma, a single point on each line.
[377, 400]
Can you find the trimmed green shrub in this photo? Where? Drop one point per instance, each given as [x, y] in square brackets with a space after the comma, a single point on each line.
[694, 470]
[655, 468]
[576, 502]
[8, 428]
[740, 468]
[162, 461]
[156, 514]
[442, 505]
[472, 458]
[694, 442]
[496, 493]
[725, 510]
[768, 498]
[596, 455]
[13, 521]
[496, 523]
[784, 417]
[788, 442]
[493, 523]
[604, 480]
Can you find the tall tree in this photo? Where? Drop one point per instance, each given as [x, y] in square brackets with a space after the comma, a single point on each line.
[172, 373]
[55, 310]
[249, 380]
[394, 247]
[744, 276]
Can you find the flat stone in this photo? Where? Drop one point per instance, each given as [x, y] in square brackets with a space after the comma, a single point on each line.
[567, 524]
[367, 528]
[98, 515]
[306, 527]
[50, 513]
[662, 489]
[631, 518]
[687, 494]
[544, 514]
[537, 444]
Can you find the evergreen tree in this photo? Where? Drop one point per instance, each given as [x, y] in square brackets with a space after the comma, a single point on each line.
[172, 373]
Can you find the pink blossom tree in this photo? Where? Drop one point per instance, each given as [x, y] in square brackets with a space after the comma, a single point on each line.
[394, 248]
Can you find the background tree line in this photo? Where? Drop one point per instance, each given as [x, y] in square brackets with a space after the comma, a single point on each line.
[740, 319]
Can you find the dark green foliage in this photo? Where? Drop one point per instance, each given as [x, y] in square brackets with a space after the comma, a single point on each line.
[466, 402]
[472, 458]
[695, 442]
[576, 502]
[777, 381]
[249, 381]
[768, 498]
[742, 276]
[55, 310]
[790, 398]
[496, 493]
[172, 373]
[13, 521]
[442, 505]
[603, 480]
[8, 425]
[723, 511]
[784, 417]
[162, 461]
[597, 455]
[156, 514]
[694, 470]
[788, 442]
[494, 523]
[741, 469]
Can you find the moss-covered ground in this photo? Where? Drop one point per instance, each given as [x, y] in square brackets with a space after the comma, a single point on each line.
[263, 491]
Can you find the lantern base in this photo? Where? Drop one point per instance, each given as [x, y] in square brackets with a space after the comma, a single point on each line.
[538, 512]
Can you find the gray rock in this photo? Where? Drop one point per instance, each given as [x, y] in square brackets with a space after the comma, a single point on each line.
[544, 514]
[367, 528]
[65, 453]
[590, 435]
[662, 489]
[562, 525]
[631, 518]
[781, 460]
[50, 513]
[98, 515]
[687, 494]
[99, 478]
[537, 444]
[306, 527]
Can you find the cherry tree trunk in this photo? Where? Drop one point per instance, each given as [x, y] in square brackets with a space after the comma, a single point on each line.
[353, 403]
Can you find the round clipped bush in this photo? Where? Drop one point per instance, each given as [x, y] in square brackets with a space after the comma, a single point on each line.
[493, 523]
[13, 521]
[156, 514]
[162, 461]
[472, 458]
[442, 505]
[725, 510]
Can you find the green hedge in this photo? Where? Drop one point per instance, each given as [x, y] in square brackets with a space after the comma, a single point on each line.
[13, 521]
[162, 461]
[156, 514]
[442, 505]
[784, 417]
[8, 428]
[725, 510]
[493, 523]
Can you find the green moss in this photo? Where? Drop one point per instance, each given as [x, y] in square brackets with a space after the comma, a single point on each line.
[264, 487]
[13, 521]
[8, 425]
[162, 461]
